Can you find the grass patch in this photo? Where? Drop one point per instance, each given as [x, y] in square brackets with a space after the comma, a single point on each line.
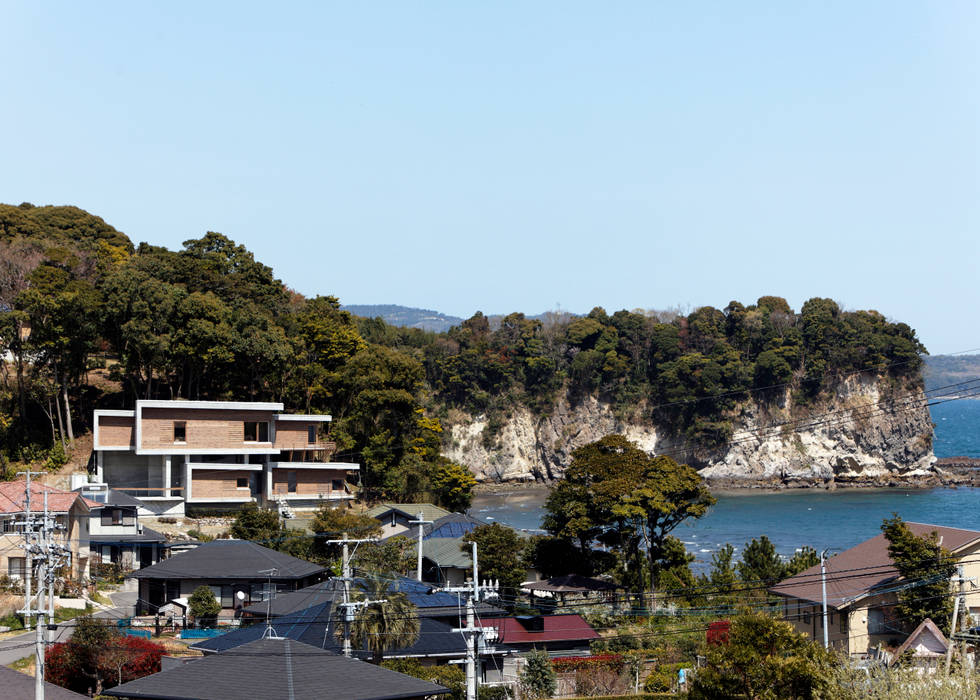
[62, 614]
[23, 665]
[100, 598]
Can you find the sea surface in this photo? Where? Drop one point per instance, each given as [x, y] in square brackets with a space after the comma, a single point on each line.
[821, 519]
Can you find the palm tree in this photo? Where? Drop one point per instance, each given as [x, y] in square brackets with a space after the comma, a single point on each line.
[379, 627]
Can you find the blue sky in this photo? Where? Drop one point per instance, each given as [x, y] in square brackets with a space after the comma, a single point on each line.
[519, 156]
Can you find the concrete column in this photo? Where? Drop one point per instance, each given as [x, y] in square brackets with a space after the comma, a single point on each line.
[187, 481]
[99, 471]
[166, 475]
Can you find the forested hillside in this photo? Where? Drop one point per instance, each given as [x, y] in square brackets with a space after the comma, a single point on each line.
[208, 321]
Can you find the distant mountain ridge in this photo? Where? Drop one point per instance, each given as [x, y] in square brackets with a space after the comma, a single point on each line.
[405, 316]
[946, 370]
[429, 320]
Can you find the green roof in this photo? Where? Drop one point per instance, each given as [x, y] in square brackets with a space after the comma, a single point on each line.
[428, 510]
[447, 551]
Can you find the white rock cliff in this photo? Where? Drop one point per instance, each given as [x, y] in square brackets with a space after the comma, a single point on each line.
[866, 434]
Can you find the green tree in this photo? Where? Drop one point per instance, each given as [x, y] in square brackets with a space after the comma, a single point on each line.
[760, 564]
[395, 555]
[500, 551]
[257, 524]
[764, 659]
[538, 678]
[381, 627]
[802, 559]
[452, 677]
[331, 523]
[453, 487]
[615, 493]
[204, 606]
[721, 581]
[926, 567]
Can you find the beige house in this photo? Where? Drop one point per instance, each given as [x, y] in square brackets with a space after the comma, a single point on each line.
[71, 512]
[217, 454]
[862, 585]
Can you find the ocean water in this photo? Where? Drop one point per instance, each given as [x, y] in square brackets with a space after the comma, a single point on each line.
[821, 519]
[957, 432]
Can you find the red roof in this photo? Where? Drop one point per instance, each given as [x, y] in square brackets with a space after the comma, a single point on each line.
[13, 498]
[856, 572]
[556, 628]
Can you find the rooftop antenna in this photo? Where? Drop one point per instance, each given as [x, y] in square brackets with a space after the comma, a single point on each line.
[269, 633]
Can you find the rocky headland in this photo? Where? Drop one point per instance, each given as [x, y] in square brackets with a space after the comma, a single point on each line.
[868, 433]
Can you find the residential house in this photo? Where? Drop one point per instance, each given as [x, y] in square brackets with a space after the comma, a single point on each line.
[71, 513]
[395, 517]
[566, 633]
[217, 454]
[446, 559]
[926, 647]
[116, 535]
[277, 669]
[237, 571]
[862, 586]
[309, 616]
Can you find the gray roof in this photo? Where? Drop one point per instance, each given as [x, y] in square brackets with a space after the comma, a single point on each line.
[20, 686]
[429, 511]
[276, 668]
[230, 559]
[116, 498]
[148, 536]
[447, 552]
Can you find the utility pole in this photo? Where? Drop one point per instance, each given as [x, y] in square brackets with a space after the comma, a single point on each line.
[420, 522]
[823, 587]
[347, 578]
[39, 547]
[956, 613]
[472, 632]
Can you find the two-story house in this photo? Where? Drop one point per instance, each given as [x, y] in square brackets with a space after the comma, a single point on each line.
[71, 513]
[115, 533]
[215, 454]
[861, 587]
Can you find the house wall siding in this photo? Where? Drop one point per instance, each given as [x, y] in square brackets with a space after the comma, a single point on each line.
[117, 431]
[219, 484]
[293, 435]
[205, 428]
[308, 481]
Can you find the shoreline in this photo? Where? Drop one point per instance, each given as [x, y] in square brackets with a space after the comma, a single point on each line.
[948, 472]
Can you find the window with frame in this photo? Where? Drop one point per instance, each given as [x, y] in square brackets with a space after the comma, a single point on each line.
[291, 481]
[337, 485]
[180, 431]
[10, 525]
[311, 434]
[256, 431]
[242, 482]
[17, 567]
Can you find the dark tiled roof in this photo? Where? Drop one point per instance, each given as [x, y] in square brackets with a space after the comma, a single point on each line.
[277, 668]
[453, 525]
[230, 559]
[148, 536]
[556, 628]
[20, 686]
[410, 510]
[438, 604]
[856, 572]
[315, 626]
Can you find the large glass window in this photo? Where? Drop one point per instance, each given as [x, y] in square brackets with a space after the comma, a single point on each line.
[291, 481]
[180, 431]
[256, 431]
[311, 434]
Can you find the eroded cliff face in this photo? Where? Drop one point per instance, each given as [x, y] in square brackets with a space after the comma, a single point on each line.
[863, 435]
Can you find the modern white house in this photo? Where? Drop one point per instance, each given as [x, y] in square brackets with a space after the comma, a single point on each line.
[214, 454]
